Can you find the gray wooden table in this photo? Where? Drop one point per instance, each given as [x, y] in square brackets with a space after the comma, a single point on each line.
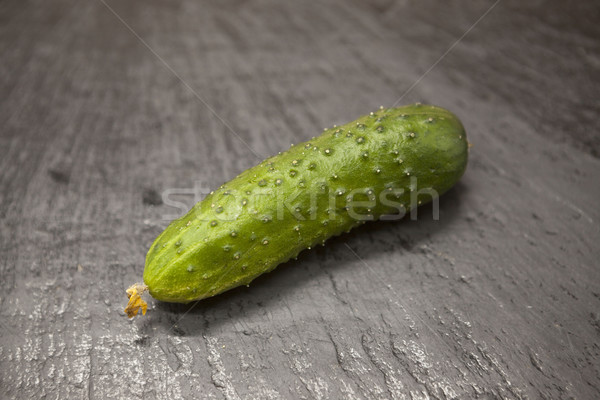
[112, 112]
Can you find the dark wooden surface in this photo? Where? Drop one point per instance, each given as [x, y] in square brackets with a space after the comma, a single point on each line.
[500, 298]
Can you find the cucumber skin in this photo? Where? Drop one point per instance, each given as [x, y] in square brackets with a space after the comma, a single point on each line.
[239, 232]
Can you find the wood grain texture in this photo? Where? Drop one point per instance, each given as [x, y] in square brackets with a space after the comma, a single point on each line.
[497, 299]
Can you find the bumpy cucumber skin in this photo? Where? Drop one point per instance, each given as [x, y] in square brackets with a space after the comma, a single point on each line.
[271, 212]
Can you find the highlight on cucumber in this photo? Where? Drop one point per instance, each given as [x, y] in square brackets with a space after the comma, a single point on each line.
[382, 166]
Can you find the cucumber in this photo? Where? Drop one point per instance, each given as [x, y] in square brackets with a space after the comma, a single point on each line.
[383, 164]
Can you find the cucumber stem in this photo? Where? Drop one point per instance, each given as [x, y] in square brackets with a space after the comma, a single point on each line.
[136, 303]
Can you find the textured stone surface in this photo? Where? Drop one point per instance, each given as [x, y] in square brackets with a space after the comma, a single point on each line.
[497, 299]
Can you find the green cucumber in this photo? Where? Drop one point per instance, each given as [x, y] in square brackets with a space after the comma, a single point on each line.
[365, 170]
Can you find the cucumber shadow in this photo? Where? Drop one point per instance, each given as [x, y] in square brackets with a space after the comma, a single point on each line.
[370, 242]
